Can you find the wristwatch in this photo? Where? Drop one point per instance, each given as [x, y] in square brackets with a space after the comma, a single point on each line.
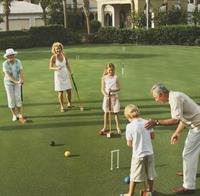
[157, 122]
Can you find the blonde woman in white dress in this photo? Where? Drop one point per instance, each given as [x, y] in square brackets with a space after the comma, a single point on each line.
[110, 87]
[62, 75]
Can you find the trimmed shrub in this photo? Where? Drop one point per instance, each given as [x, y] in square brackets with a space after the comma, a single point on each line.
[13, 33]
[95, 26]
[75, 20]
[46, 35]
[16, 42]
[37, 36]
[197, 42]
[180, 35]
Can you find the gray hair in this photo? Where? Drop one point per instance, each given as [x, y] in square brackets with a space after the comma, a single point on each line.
[159, 88]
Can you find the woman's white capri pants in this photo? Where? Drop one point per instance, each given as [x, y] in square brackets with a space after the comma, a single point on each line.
[13, 92]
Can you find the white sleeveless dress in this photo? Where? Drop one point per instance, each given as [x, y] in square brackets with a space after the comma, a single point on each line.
[111, 83]
[62, 77]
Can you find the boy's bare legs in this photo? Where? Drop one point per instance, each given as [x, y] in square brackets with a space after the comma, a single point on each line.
[61, 100]
[132, 186]
[69, 98]
[117, 123]
[150, 185]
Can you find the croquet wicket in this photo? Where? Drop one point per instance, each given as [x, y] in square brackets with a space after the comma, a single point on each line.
[112, 152]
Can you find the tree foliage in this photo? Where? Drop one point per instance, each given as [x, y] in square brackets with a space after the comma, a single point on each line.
[86, 10]
[55, 12]
[196, 17]
[44, 4]
[174, 16]
[6, 10]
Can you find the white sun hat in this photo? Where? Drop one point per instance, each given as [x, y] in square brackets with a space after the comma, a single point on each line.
[9, 51]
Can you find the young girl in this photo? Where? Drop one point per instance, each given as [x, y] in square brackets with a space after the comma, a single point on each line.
[110, 88]
[62, 71]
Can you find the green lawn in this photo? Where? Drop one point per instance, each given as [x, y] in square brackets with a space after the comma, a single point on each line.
[30, 167]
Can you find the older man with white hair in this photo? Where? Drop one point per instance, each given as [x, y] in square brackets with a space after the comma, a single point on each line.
[186, 113]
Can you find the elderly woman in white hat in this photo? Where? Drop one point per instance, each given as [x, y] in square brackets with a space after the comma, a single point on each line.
[13, 80]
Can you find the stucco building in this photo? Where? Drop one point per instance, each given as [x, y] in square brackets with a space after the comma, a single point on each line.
[116, 12]
[23, 15]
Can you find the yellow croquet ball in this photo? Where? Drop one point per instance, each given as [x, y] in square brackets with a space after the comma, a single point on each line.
[67, 153]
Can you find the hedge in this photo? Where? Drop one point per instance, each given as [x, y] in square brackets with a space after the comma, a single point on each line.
[16, 42]
[13, 33]
[45, 36]
[37, 36]
[176, 35]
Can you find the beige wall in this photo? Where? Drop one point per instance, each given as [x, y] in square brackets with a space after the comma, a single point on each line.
[39, 22]
[20, 22]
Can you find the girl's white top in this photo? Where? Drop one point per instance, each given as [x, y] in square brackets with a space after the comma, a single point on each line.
[62, 76]
[110, 83]
[140, 137]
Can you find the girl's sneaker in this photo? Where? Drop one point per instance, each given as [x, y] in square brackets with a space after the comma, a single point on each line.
[109, 135]
[119, 131]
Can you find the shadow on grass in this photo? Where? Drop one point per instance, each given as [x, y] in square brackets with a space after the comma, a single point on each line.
[154, 105]
[58, 145]
[161, 165]
[125, 168]
[50, 125]
[92, 114]
[74, 155]
[63, 124]
[157, 193]
[115, 136]
[95, 55]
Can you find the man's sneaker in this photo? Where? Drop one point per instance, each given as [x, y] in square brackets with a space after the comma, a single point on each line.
[21, 119]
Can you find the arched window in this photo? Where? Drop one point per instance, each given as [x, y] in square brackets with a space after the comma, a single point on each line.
[108, 19]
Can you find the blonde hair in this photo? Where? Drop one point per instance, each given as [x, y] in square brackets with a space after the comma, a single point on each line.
[56, 44]
[109, 65]
[131, 111]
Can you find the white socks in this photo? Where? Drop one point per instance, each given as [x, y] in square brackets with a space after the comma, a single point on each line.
[14, 118]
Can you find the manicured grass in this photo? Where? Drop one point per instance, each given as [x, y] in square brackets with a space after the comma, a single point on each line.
[30, 167]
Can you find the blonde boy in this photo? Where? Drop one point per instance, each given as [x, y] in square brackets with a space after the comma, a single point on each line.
[139, 139]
